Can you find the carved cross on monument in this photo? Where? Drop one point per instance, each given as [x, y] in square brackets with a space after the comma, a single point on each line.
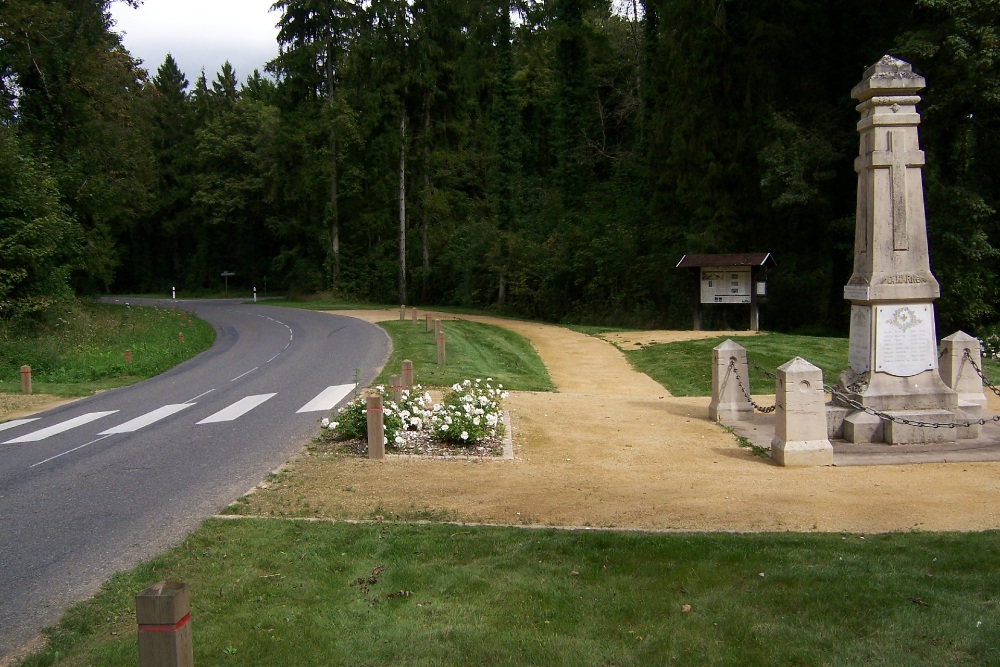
[897, 159]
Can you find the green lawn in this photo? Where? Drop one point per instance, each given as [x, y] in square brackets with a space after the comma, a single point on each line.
[79, 348]
[685, 369]
[272, 592]
[473, 350]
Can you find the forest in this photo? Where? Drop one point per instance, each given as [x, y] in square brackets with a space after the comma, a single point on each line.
[545, 159]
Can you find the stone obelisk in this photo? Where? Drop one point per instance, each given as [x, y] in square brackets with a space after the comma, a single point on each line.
[893, 344]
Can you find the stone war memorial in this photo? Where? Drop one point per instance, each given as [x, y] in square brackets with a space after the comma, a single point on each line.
[899, 388]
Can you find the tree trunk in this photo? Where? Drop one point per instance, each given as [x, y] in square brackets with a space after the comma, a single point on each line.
[425, 231]
[402, 210]
[333, 210]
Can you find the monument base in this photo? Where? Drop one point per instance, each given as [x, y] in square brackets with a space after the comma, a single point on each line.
[802, 452]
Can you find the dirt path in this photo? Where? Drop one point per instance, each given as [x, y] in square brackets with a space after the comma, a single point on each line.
[612, 448]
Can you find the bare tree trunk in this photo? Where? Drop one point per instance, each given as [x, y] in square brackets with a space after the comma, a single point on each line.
[333, 210]
[425, 232]
[402, 210]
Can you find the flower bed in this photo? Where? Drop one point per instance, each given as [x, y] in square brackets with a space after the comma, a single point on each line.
[467, 422]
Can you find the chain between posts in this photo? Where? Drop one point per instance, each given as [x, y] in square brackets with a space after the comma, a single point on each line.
[746, 394]
[979, 372]
[850, 402]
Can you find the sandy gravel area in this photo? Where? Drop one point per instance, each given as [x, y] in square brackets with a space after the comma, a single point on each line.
[612, 448]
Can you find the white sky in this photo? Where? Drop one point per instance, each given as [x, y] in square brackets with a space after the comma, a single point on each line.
[200, 33]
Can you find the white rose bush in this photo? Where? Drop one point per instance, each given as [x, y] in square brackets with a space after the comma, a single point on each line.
[469, 415]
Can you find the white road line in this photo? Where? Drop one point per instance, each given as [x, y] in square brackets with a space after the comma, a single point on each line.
[200, 396]
[244, 375]
[53, 458]
[327, 398]
[237, 409]
[147, 419]
[16, 423]
[60, 428]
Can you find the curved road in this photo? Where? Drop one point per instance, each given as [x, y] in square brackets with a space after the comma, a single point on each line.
[94, 487]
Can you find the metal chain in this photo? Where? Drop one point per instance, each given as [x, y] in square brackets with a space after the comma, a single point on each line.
[746, 394]
[979, 371]
[903, 420]
[758, 367]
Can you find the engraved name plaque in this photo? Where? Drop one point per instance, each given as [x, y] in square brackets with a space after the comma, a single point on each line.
[904, 339]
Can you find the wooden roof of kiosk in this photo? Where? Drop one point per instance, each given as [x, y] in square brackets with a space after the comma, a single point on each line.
[753, 260]
[735, 259]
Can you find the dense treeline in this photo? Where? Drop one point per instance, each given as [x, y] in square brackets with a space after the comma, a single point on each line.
[552, 159]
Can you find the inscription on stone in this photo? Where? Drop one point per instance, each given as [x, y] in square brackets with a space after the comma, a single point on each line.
[856, 292]
[859, 354]
[904, 339]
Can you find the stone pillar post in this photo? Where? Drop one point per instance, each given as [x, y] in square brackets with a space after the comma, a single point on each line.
[163, 612]
[729, 403]
[958, 373]
[800, 437]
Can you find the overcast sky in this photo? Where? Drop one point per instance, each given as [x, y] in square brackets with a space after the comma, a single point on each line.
[200, 33]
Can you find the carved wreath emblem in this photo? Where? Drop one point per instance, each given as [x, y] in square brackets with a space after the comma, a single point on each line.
[904, 318]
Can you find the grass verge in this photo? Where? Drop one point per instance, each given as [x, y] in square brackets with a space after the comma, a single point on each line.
[271, 592]
[474, 350]
[78, 349]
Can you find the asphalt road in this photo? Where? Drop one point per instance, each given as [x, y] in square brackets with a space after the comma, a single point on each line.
[97, 486]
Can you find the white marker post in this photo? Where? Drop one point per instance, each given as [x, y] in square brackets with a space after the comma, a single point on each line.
[255, 295]
[173, 292]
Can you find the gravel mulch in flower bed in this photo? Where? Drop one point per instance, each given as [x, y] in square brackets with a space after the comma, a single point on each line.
[415, 443]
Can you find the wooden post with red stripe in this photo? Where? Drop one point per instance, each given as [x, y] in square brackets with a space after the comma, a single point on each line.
[376, 428]
[163, 612]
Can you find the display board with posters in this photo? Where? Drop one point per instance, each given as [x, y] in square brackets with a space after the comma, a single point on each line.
[725, 284]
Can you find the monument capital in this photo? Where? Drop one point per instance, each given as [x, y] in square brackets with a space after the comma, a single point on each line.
[889, 77]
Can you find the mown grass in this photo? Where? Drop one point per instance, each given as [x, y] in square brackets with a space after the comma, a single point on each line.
[78, 349]
[272, 592]
[685, 368]
[473, 350]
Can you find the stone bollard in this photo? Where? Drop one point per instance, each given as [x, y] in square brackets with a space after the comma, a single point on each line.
[407, 374]
[25, 379]
[437, 327]
[427, 323]
[163, 612]
[959, 374]
[128, 356]
[376, 428]
[402, 313]
[414, 315]
[395, 389]
[440, 348]
[800, 437]
[729, 402]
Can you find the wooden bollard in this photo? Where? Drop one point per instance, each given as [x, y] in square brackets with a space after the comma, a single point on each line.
[427, 323]
[414, 315]
[396, 388]
[163, 612]
[440, 348]
[402, 313]
[376, 428]
[128, 356]
[180, 337]
[407, 374]
[25, 379]
[437, 327]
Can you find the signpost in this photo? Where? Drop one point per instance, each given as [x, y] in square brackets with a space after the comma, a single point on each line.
[225, 275]
[730, 279]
